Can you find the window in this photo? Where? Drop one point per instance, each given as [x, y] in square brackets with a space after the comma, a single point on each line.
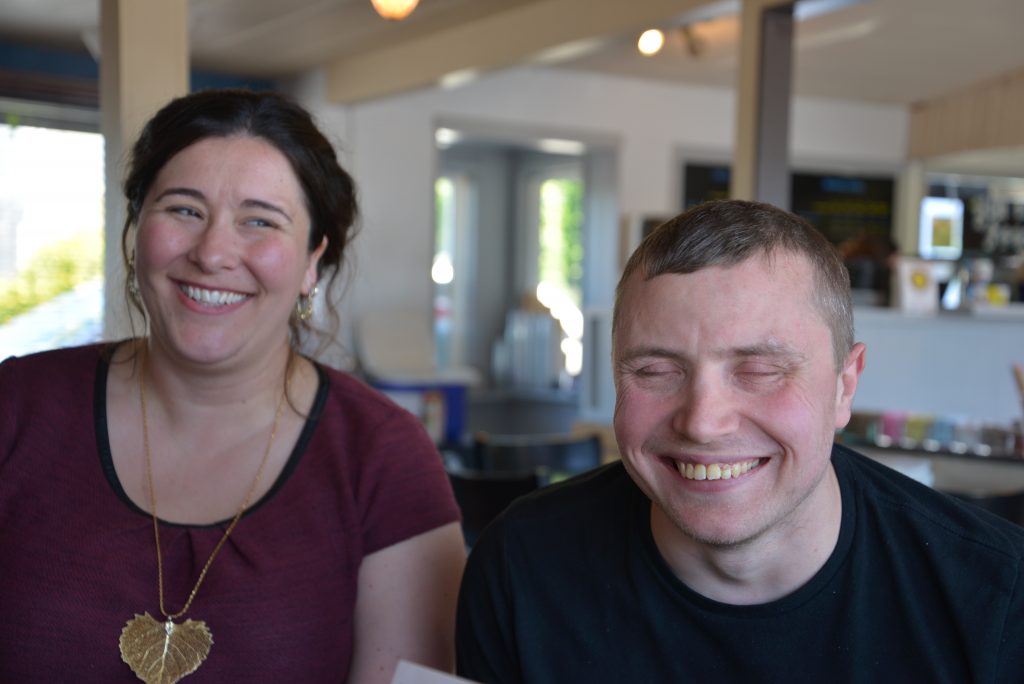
[453, 196]
[560, 262]
[51, 238]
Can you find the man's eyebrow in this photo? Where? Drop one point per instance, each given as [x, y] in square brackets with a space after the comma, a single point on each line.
[649, 353]
[770, 348]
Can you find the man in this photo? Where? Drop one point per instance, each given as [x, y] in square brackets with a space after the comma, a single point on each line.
[735, 542]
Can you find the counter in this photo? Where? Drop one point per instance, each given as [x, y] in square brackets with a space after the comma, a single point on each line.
[950, 364]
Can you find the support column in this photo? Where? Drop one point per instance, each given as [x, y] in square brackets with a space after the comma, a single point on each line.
[760, 169]
[143, 64]
[911, 188]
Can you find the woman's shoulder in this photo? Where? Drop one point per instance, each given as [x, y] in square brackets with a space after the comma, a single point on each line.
[357, 397]
[58, 384]
[53, 365]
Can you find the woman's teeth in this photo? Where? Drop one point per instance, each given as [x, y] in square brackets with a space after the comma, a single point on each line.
[715, 471]
[211, 297]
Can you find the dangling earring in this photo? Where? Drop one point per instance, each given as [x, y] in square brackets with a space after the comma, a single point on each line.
[304, 306]
[133, 285]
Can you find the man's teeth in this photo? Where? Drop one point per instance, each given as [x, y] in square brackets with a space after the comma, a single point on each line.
[715, 471]
[211, 297]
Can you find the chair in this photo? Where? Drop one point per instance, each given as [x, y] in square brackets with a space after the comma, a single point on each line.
[483, 495]
[555, 456]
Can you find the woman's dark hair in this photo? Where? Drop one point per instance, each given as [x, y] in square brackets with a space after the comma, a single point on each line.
[329, 191]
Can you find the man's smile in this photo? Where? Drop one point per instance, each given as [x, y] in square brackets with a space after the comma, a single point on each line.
[716, 471]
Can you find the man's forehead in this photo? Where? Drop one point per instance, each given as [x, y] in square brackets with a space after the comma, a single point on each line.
[768, 290]
[774, 261]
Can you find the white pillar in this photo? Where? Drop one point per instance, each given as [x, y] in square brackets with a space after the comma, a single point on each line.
[143, 64]
[911, 188]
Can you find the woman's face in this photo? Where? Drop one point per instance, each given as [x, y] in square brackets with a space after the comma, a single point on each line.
[222, 251]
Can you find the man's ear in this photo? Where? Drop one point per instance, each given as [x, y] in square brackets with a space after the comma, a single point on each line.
[846, 384]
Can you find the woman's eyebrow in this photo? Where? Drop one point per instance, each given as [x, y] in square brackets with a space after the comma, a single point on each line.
[188, 192]
[262, 204]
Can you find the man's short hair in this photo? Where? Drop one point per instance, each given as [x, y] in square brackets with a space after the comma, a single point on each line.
[728, 232]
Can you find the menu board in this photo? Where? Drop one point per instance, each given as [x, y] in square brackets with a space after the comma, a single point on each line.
[843, 207]
[993, 226]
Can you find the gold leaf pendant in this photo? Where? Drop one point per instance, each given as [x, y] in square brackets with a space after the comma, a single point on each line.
[163, 653]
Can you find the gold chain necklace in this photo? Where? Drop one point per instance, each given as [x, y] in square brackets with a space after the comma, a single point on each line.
[164, 653]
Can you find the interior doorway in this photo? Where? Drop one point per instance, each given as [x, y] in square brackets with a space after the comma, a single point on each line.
[518, 225]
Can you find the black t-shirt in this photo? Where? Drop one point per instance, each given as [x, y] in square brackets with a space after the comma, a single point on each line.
[568, 586]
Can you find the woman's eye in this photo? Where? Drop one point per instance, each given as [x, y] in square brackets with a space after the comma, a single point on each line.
[260, 223]
[184, 211]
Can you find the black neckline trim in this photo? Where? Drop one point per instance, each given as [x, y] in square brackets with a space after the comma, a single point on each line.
[99, 399]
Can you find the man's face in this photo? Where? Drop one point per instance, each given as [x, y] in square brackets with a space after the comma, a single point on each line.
[727, 397]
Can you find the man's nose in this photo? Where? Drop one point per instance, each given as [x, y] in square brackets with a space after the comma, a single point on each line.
[707, 410]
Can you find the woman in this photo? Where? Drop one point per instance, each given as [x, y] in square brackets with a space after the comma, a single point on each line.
[204, 501]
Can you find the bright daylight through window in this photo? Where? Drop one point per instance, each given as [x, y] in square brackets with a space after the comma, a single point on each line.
[561, 263]
[51, 238]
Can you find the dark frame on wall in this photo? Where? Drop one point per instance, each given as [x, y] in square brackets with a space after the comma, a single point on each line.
[845, 207]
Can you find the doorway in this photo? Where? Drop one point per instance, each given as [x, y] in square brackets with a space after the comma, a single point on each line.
[519, 225]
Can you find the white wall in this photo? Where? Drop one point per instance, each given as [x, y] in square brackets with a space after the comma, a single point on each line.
[388, 145]
[949, 364]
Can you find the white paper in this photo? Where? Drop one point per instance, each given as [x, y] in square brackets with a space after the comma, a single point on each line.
[411, 673]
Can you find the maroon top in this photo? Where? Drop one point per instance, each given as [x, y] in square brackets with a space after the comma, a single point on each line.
[77, 557]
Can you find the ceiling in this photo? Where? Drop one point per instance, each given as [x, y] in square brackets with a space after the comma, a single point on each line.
[889, 51]
[884, 51]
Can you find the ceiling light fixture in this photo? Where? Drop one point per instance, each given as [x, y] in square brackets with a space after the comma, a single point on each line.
[650, 42]
[394, 9]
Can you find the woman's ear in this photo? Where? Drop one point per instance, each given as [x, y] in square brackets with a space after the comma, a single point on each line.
[313, 269]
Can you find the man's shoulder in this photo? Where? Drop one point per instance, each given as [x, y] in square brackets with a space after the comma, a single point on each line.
[595, 500]
[581, 494]
[897, 501]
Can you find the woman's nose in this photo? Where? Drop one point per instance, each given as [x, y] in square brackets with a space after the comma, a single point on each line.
[216, 246]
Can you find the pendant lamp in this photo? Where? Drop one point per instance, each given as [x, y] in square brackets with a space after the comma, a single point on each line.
[394, 9]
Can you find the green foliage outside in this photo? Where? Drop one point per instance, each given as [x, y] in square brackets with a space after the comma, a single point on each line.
[53, 270]
[572, 232]
[561, 240]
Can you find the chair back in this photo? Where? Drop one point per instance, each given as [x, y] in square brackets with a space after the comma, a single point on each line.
[483, 495]
[555, 456]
